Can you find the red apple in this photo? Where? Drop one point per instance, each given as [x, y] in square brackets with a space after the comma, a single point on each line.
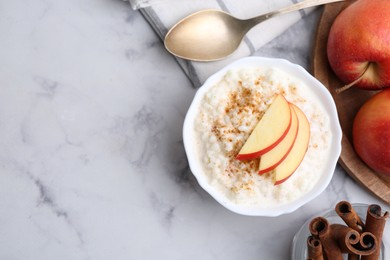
[359, 44]
[371, 132]
[269, 131]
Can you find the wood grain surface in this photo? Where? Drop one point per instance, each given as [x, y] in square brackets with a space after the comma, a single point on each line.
[347, 103]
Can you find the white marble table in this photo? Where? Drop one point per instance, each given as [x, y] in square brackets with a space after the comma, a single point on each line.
[92, 164]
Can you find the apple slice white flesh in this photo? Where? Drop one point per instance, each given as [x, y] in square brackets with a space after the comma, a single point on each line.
[270, 130]
[275, 156]
[288, 166]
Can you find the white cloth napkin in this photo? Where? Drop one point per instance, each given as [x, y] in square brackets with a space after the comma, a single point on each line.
[163, 14]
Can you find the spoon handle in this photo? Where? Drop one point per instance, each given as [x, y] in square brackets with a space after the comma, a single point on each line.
[294, 7]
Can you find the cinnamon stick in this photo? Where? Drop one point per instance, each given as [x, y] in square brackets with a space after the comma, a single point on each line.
[346, 237]
[318, 225]
[357, 240]
[368, 241]
[353, 257]
[345, 210]
[319, 228]
[314, 249]
[375, 224]
[352, 242]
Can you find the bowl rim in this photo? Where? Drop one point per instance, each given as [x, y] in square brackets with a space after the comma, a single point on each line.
[328, 104]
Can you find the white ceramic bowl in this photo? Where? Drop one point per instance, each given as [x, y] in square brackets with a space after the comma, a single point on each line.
[328, 105]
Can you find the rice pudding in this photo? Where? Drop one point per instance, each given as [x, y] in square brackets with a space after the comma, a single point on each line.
[228, 113]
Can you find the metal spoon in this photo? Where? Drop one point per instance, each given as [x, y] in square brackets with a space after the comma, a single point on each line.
[213, 34]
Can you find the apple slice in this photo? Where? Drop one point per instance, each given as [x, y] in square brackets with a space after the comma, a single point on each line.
[288, 166]
[270, 130]
[275, 156]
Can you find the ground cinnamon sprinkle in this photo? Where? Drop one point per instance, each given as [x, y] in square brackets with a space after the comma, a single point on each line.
[245, 102]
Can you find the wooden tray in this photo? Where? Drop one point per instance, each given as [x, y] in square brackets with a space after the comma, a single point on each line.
[347, 103]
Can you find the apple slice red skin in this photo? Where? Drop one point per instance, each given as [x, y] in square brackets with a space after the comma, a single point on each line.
[292, 172]
[285, 179]
[276, 164]
[257, 154]
[284, 157]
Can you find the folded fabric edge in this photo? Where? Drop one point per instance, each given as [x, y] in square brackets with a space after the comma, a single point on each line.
[152, 18]
[138, 4]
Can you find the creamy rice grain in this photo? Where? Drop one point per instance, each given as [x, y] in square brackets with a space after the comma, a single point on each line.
[227, 115]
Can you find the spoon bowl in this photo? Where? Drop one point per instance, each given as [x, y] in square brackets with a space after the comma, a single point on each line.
[206, 35]
[210, 35]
